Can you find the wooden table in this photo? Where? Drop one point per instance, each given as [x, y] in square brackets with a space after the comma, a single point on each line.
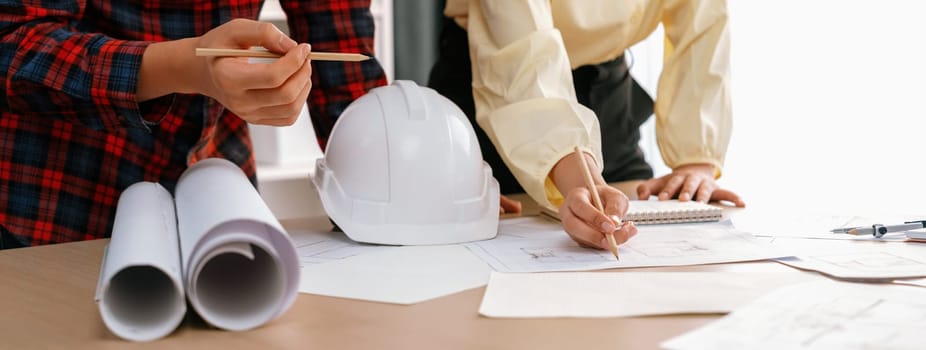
[47, 301]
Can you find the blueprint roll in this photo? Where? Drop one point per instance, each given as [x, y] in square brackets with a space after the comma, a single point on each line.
[140, 291]
[241, 269]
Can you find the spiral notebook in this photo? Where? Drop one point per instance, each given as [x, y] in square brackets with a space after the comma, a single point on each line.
[664, 212]
[670, 212]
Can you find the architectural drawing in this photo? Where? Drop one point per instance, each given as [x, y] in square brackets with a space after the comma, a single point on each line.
[668, 249]
[654, 245]
[321, 247]
[872, 261]
[859, 261]
[819, 315]
[566, 255]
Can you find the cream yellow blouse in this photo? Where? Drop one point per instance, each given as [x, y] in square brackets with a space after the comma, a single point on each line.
[523, 52]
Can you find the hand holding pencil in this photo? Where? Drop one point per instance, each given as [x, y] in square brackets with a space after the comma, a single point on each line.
[592, 209]
[272, 93]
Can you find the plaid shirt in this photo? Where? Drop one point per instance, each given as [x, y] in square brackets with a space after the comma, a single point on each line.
[72, 135]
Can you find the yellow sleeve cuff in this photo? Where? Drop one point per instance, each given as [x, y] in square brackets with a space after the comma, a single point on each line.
[554, 197]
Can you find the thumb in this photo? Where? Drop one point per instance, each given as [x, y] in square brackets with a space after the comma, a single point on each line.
[247, 33]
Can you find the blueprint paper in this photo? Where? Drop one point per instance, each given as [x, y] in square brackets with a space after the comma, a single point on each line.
[870, 261]
[322, 246]
[654, 245]
[819, 315]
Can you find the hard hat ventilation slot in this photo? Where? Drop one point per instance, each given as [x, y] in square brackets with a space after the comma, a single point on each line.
[417, 109]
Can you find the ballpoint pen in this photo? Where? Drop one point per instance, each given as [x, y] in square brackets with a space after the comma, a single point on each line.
[879, 230]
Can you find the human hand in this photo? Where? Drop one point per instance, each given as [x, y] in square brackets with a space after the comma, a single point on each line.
[588, 226]
[269, 94]
[508, 206]
[688, 182]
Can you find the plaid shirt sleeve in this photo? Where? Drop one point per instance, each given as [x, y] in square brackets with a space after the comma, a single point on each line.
[337, 26]
[72, 136]
[51, 69]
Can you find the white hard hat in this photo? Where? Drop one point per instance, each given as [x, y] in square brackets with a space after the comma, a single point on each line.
[403, 167]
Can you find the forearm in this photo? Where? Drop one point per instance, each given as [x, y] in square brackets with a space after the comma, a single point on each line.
[166, 68]
[91, 76]
[567, 173]
[693, 106]
[524, 100]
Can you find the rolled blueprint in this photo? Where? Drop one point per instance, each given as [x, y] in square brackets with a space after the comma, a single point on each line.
[240, 267]
[140, 291]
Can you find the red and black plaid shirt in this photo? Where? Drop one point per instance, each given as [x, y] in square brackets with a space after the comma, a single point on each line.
[72, 135]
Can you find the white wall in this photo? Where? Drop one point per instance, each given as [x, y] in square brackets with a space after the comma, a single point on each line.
[829, 103]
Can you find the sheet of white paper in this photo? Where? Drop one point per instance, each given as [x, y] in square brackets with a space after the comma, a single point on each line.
[318, 247]
[856, 260]
[654, 245]
[920, 282]
[241, 268]
[530, 227]
[624, 294]
[814, 225]
[402, 275]
[140, 292]
[819, 315]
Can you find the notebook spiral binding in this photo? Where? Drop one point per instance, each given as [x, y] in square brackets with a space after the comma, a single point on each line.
[671, 212]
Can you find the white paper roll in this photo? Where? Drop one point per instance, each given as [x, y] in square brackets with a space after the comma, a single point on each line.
[240, 267]
[140, 292]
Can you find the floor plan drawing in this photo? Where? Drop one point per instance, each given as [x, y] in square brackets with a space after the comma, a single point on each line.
[654, 245]
[856, 260]
[818, 315]
[668, 249]
[317, 247]
[873, 261]
[565, 255]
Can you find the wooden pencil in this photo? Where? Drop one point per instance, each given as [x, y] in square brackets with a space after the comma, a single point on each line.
[590, 184]
[316, 56]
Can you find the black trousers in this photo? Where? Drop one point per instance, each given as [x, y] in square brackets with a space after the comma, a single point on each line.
[607, 89]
